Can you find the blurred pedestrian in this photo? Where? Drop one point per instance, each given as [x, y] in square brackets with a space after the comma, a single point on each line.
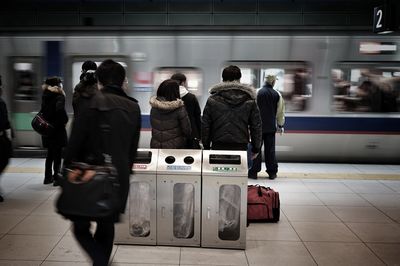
[272, 110]
[169, 120]
[119, 116]
[192, 108]
[231, 118]
[85, 89]
[5, 136]
[53, 110]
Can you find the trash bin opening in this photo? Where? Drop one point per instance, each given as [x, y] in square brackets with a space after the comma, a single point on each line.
[224, 159]
[188, 160]
[170, 159]
[143, 157]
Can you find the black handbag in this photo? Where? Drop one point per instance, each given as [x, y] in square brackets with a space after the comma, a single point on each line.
[41, 126]
[95, 198]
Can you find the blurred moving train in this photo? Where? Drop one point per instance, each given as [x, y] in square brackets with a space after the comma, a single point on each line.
[329, 117]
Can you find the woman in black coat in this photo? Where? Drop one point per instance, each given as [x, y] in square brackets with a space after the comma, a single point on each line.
[53, 110]
[85, 89]
[168, 117]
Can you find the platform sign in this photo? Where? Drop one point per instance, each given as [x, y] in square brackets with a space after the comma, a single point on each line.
[383, 19]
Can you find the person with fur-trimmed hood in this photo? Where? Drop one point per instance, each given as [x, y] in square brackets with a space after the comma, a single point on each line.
[53, 110]
[168, 117]
[231, 118]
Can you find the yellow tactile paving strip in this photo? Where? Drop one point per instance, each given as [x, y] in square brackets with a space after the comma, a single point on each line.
[17, 170]
[379, 176]
[341, 176]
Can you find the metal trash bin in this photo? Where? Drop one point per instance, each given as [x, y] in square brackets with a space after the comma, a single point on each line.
[178, 197]
[139, 224]
[224, 200]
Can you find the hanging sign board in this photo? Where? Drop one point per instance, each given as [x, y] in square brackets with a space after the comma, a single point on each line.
[383, 19]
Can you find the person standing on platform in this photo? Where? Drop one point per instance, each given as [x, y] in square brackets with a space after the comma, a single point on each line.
[231, 118]
[5, 136]
[53, 110]
[192, 108]
[85, 89]
[170, 124]
[119, 116]
[272, 110]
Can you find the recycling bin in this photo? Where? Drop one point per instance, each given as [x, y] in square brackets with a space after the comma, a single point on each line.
[139, 224]
[224, 199]
[178, 197]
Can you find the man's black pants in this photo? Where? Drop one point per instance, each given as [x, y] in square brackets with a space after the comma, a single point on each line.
[99, 245]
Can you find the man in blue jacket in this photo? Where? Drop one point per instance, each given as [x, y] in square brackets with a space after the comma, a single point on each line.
[272, 111]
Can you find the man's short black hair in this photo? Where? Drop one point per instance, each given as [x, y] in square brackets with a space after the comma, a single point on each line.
[110, 73]
[179, 77]
[231, 73]
[169, 90]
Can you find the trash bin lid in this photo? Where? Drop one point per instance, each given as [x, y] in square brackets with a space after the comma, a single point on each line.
[178, 162]
[225, 163]
[145, 161]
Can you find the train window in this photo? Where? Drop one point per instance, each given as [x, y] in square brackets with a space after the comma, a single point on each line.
[194, 77]
[294, 80]
[25, 80]
[77, 68]
[366, 87]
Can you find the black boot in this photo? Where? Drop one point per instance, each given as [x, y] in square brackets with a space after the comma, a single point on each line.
[48, 180]
[55, 180]
[1, 198]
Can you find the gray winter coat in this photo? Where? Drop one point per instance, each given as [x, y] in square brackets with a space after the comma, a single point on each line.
[170, 124]
[231, 117]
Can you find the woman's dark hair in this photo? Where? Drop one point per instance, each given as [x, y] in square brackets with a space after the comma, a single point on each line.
[88, 65]
[88, 78]
[110, 73]
[179, 77]
[231, 73]
[168, 90]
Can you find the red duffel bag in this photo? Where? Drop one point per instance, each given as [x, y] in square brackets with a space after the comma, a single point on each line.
[262, 204]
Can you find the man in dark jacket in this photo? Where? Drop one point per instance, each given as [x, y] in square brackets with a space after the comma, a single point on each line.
[5, 136]
[120, 120]
[272, 110]
[192, 108]
[231, 118]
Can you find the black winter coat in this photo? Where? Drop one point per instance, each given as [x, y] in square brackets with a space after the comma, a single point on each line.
[4, 122]
[194, 112]
[231, 117]
[53, 109]
[121, 114]
[170, 124]
[81, 98]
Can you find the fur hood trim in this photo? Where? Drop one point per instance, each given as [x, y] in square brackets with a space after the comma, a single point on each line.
[54, 89]
[233, 85]
[165, 105]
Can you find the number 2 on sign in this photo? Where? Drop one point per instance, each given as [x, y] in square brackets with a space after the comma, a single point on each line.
[379, 14]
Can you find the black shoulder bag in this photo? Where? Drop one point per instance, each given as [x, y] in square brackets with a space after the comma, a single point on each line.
[41, 125]
[94, 197]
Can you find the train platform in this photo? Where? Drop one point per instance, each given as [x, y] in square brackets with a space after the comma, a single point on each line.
[331, 214]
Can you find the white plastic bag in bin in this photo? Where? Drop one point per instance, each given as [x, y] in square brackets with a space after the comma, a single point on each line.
[139, 209]
[229, 212]
[183, 210]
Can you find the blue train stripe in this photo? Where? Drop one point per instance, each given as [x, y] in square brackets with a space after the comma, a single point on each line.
[330, 125]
